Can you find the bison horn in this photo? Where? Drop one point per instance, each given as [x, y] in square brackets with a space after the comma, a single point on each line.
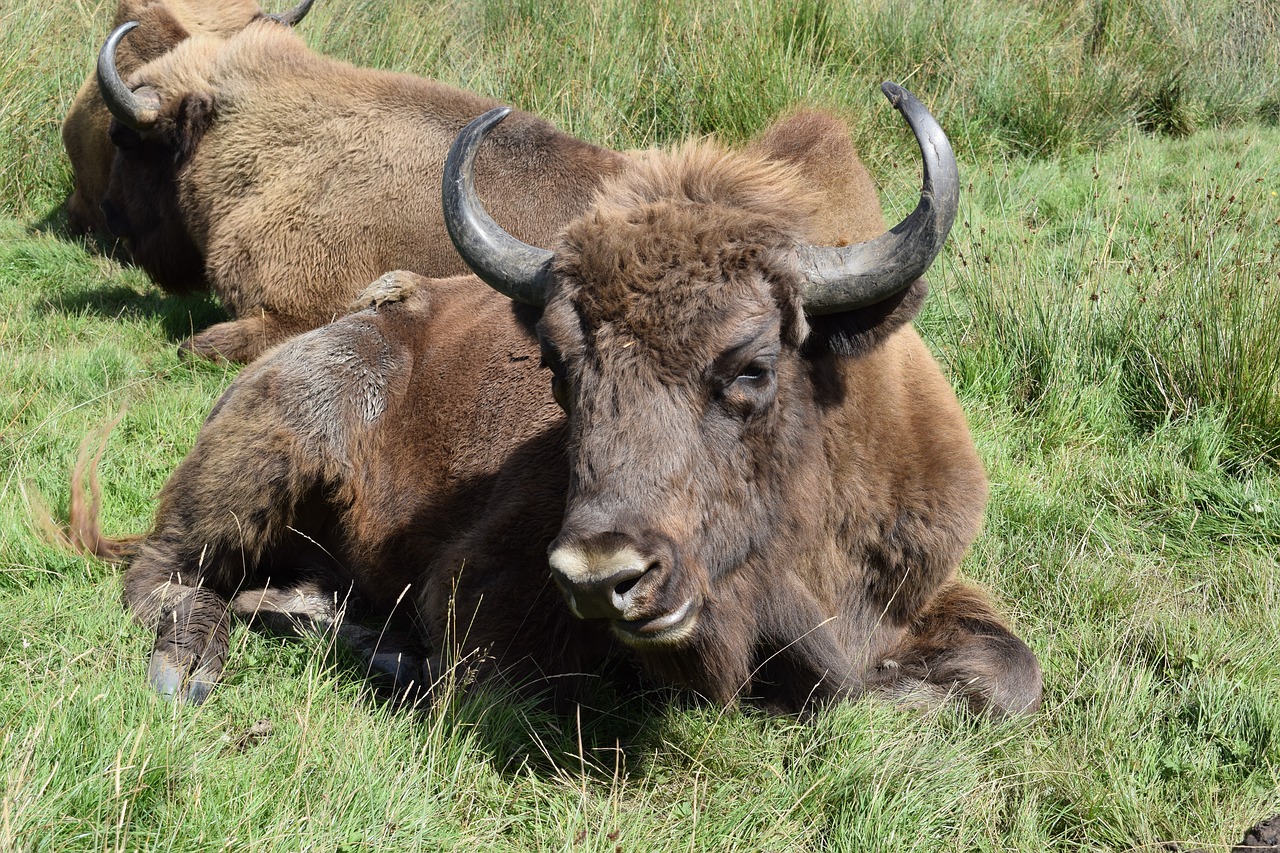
[513, 268]
[848, 277]
[132, 109]
[294, 15]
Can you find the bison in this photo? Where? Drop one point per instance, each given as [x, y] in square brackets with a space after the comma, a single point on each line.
[293, 180]
[695, 431]
[164, 24]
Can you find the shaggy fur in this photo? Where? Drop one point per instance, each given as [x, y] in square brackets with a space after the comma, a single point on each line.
[164, 23]
[800, 508]
[298, 179]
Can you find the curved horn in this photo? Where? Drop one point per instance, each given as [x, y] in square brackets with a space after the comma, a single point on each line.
[513, 268]
[138, 111]
[293, 16]
[848, 277]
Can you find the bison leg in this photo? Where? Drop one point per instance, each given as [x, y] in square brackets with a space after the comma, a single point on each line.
[960, 648]
[227, 516]
[308, 609]
[243, 340]
[302, 610]
[192, 639]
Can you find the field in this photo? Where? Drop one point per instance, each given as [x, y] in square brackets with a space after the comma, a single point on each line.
[1108, 309]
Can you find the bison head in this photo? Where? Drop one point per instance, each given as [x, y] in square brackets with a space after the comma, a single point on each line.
[690, 330]
[164, 24]
[84, 132]
[157, 124]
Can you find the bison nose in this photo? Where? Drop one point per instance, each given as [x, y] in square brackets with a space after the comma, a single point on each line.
[599, 583]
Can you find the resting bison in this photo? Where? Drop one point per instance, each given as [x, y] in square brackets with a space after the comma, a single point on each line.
[299, 179]
[164, 24]
[756, 479]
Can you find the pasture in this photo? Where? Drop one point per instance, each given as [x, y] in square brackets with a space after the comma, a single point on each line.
[1108, 309]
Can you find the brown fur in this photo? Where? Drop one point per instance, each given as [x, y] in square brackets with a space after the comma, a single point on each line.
[805, 504]
[163, 23]
[299, 179]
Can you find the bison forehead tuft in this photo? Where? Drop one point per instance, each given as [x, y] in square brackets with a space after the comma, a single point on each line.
[684, 244]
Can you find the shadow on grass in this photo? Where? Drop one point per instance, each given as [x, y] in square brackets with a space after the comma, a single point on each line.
[180, 315]
[618, 725]
[55, 223]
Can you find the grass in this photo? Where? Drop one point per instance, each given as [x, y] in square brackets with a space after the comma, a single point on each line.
[1106, 309]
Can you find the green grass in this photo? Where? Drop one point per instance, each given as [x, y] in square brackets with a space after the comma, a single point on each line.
[1107, 308]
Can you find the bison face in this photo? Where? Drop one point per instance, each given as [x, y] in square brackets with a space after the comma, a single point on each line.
[674, 316]
[161, 26]
[141, 208]
[159, 118]
[85, 131]
[676, 361]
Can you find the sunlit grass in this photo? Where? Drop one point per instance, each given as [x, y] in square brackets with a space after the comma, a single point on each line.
[1106, 308]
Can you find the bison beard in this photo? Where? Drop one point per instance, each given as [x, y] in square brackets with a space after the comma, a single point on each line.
[748, 503]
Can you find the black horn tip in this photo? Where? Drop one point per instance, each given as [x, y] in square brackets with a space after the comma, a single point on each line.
[892, 91]
[294, 16]
[129, 108]
[458, 163]
[845, 278]
[486, 121]
[904, 102]
[462, 153]
[107, 53]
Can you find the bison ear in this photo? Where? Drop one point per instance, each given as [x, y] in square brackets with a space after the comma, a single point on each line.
[858, 332]
[191, 119]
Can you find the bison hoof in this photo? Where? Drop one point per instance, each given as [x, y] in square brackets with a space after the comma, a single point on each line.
[207, 347]
[389, 658]
[235, 341]
[394, 286]
[397, 667]
[192, 640]
[171, 679]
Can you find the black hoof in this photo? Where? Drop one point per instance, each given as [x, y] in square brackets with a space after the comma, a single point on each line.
[192, 640]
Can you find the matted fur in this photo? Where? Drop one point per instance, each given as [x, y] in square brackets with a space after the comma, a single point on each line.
[797, 510]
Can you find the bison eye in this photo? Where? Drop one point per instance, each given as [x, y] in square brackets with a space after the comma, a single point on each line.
[750, 387]
[756, 373]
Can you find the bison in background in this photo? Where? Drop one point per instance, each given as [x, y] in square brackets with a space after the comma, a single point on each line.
[164, 24]
[299, 179]
[694, 432]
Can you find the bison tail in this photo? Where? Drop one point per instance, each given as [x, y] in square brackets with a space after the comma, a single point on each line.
[83, 532]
